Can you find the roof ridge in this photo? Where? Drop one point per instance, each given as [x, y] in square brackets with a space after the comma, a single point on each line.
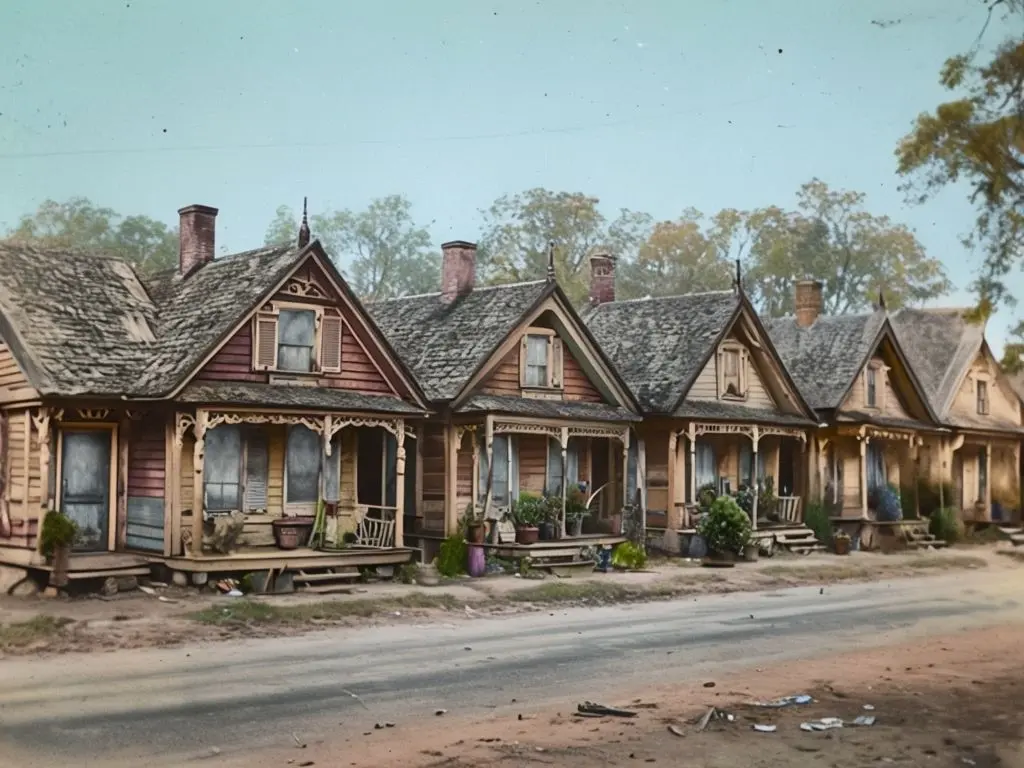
[722, 292]
[475, 290]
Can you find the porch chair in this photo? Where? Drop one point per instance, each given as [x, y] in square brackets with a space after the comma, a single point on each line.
[373, 532]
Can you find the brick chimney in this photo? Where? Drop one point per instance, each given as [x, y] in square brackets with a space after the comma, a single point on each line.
[807, 301]
[458, 269]
[196, 229]
[602, 278]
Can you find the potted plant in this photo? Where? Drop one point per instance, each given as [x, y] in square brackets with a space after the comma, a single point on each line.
[575, 511]
[549, 521]
[292, 532]
[55, 541]
[751, 551]
[725, 530]
[841, 542]
[476, 528]
[528, 511]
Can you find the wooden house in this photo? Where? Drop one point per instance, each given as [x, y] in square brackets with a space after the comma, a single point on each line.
[974, 468]
[875, 414]
[166, 414]
[718, 405]
[515, 380]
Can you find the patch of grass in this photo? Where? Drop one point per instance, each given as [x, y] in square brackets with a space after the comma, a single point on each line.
[849, 571]
[983, 536]
[945, 561]
[257, 612]
[36, 630]
[571, 592]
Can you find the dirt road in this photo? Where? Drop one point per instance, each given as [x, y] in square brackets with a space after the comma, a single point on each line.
[250, 702]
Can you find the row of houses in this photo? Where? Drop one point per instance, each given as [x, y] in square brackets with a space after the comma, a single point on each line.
[257, 389]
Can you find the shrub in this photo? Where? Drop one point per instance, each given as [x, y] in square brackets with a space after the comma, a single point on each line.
[928, 495]
[59, 530]
[530, 510]
[816, 517]
[726, 527]
[706, 496]
[451, 561]
[945, 524]
[629, 555]
[745, 498]
[887, 504]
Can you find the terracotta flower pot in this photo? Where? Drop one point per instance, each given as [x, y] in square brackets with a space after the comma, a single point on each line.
[476, 532]
[292, 532]
[61, 565]
[527, 534]
[841, 545]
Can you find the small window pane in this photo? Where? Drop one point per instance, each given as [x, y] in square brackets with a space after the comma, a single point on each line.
[499, 483]
[296, 333]
[554, 480]
[222, 467]
[537, 361]
[302, 464]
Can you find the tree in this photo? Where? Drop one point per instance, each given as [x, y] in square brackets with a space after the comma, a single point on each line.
[78, 224]
[829, 237]
[380, 251]
[978, 139]
[677, 257]
[518, 228]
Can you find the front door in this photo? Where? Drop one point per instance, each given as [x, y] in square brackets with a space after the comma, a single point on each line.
[85, 487]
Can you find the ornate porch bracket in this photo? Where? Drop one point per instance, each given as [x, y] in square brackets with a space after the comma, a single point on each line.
[794, 432]
[594, 430]
[216, 418]
[183, 422]
[525, 428]
[887, 434]
[461, 430]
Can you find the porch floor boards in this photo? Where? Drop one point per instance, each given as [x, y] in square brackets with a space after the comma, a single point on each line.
[560, 548]
[295, 559]
[102, 563]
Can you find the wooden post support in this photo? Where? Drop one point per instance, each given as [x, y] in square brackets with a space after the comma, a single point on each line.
[489, 447]
[451, 468]
[26, 463]
[563, 441]
[400, 483]
[672, 513]
[988, 480]
[123, 440]
[641, 484]
[864, 475]
[625, 468]
[198, 489]
[755, 439]
[171, 482]
[42, 425]
[691, 433]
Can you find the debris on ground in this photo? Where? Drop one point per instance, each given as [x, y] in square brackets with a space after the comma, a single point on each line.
[822, 724]
[713, 713]
[439, 712]
[785, 701]
[675, 730]
[601, 710]
[765, 728]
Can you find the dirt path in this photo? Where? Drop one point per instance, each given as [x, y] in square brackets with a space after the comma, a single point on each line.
[947, 701]
[173, 616]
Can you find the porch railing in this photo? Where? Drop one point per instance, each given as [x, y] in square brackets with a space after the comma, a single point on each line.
[789, 509]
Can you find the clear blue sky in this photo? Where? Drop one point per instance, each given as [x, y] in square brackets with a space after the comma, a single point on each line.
[648, 105]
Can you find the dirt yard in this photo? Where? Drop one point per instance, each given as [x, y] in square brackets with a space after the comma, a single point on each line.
[168, 616]
[948, 701]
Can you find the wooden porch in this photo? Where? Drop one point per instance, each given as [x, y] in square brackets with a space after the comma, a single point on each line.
[260, 559]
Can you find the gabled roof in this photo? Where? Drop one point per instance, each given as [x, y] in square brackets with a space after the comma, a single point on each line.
[661, 345]
[826, 357]
[941, 345]
[445, 344]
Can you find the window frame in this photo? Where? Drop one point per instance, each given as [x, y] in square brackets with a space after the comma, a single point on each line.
[982, 401]
[247, 436]
[732, 350]
[301, 507]
[553, 380]
[542, 342]
[572, 465]
[871, 387]
[313, 346]
[320, 362]
[482, 471]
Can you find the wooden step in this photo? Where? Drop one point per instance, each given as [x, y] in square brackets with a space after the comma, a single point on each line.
[807, 550]
[301, 577]
[1018, 539]
[105, 572]
[325, 589]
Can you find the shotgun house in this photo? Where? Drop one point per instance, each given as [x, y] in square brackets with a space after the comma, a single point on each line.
[720, 410]
[204, 417]
[518, 383]
[975, 468]
[875, 414]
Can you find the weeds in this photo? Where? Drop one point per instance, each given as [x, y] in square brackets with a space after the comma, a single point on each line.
[259, 612]
[38, 629]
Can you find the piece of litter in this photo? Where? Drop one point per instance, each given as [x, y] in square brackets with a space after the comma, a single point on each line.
[764, 728]
[706, 719]
[147, 590]
[864, 720]
[298, 742]
[163, 599]
[785, 701]
[869, 707]
[675, 730]
[593, 708]
[440, 712]
[709, 684]
[824, 724]
[235, 593]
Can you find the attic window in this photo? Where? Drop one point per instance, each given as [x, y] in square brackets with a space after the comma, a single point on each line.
[872, 388]
[732, 373]
[981, 388]
[297, 339]
[540, 360]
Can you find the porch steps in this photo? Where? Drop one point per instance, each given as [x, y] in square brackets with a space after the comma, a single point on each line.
[105, 572]
[1014, 535]
[799, 540]
[324, 580]
[919, 537]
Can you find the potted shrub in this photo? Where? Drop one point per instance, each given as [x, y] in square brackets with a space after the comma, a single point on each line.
[528, 511]
[549, 522]
[575, 511]
[725, 530]
[55, 541]
[476, 528]
[841, 542]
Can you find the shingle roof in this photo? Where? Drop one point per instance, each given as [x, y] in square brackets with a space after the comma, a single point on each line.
[824, 358]
[941, 345]
[719, 411]
[323, 398]
[550, 409]
[658, 360]
[444, 344]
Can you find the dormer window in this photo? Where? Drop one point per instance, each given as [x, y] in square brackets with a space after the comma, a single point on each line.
[732, 372]
[291, 338]
[871, 390]
[296, 339]
[537, 361]
[540, 360]
[981, 390]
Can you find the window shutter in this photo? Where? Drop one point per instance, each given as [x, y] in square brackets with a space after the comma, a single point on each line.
[256, 466]
[556, 362]
[522, 361]
[264, 353]
[330, 344]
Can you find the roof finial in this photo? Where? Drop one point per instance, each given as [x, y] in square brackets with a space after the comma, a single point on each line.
[881, 300]
[551, 259]
[304, 227]
[739, 278]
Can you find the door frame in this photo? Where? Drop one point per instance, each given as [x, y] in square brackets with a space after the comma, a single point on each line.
[112, 492]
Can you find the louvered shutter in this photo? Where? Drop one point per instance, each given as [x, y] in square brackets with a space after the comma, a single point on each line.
[522, 360]
[264, 352]
[556, 362]
[330, 344]
[256, 469]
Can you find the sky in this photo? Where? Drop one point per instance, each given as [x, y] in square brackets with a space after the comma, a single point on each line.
[145, 106]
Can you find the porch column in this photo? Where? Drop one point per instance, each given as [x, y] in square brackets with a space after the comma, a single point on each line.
[489, 445]
[692, 437]
[42, 425]
[864, 475]
[671, 519]
[563, 440]
[755, 439]
[641, 484]
[988, 480]
[625, 468]
[400, 483]
[451, 466]
[121, 506]
[198, 489]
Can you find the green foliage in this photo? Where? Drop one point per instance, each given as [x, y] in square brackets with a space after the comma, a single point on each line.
[58, 530]
[945, 524]
[575, 504]
[530, 510]
[887, 503]
[78, 224]
[933, 496]
[452, 559]
[908, 501]
[725, 527]
[407, 573]
[745, 498]
[630, 556]
[816, 517]
[706, 496]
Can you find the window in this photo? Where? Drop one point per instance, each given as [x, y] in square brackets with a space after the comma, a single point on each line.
[982, 475]
[982, 392]
[706, 471]
[632, 462]
[302, 466]
[877, 479]
[872, 388]
[296, 337]
[500, 480]
[222, 469]
[746, 465]
[732, 386]
[540, 360]
[553, 484]
[536, 361]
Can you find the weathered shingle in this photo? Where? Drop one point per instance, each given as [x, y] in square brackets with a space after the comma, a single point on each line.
[324, 398]
[549, 409]
[444, 344]
[659, 345]
[824, 358]
[719, 411]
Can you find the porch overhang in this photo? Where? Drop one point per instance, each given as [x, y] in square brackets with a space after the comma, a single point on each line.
[234, 396]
